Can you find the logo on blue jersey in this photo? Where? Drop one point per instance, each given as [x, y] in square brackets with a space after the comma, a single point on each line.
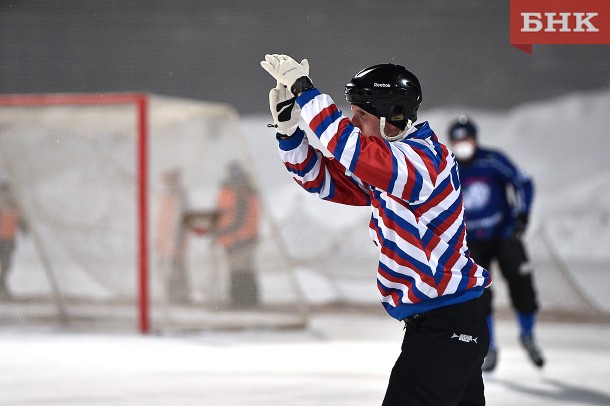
[476, 195]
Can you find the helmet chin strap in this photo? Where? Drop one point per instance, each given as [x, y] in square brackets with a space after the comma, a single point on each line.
[398, 137]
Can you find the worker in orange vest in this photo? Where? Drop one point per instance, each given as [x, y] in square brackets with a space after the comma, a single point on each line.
[237, 231]
[10, 223]
[171, 238]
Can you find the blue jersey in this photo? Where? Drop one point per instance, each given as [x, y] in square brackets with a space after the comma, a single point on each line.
[495, 192]
[413, 189]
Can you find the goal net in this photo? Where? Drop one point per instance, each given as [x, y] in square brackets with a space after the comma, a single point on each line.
[131, 217]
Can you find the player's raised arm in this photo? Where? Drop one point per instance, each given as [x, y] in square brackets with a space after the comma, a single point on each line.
[309, 167]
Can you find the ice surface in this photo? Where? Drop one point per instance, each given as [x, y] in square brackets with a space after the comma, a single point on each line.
[341, 360]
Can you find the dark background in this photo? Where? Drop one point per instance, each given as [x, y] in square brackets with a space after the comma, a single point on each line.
[210, 50]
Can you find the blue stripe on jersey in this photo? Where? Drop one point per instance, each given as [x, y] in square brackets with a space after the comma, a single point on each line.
[352, 165]
[293, 141]
[417, 186]
[454, 177]
[401, 254]
[398, 275]
[331, 192]
[377, 229]
[307, 96]
[427, 237]
[308, 167]
[401, 278]
[453, 241]
[431, 156]
[394, 171]
[441, 262]
[402, 312]
[341, 138]
[439, 189]
[440, 219]
[401, 222]
[324, 124]
[314, 189]
[464, 279]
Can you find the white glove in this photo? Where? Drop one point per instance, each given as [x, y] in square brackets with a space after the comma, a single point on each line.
[285, 111]
[286, 70]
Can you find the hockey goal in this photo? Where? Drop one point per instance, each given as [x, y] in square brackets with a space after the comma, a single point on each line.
[90, 173]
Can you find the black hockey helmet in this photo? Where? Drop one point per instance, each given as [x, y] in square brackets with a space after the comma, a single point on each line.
[463, 127]
[386, 90]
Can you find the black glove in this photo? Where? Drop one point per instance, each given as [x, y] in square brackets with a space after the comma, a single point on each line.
[521, 221]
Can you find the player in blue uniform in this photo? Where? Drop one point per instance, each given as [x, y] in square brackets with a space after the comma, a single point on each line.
[497, 201]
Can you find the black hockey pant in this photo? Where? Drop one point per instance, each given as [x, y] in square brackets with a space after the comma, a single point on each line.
[441, 358]
[513, 262]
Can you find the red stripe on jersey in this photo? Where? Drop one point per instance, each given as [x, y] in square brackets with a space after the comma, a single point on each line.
[443, 163]
[429, 164]
[406, 193]
[432, 244]
[405, 282]
[404, 262]
[374, 163]
[314, 183]
[434, 201]
[402, 233]
[374, 227]
[461, 239]
[447, 275]
[302, 165]
[471, 278]
[332, 144]
[388, 292]
[321, 116]
[448, 222]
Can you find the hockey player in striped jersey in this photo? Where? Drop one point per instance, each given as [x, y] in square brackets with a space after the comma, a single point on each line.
[382, 159]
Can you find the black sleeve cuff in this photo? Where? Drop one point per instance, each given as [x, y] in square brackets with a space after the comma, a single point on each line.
[303, 83]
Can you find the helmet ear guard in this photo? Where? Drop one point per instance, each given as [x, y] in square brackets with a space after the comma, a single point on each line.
[397, 137]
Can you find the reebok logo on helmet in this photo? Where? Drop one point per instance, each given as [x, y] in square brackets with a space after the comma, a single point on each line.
[381, 84]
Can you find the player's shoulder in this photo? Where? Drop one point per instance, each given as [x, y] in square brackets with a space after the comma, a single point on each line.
[491, 153]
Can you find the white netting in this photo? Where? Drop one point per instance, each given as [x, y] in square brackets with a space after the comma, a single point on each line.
[75, 172]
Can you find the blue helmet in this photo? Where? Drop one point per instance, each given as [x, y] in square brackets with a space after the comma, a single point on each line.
[462, 128]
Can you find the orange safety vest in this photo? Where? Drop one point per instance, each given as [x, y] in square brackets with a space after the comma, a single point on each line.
[9, 223]
[239, 212]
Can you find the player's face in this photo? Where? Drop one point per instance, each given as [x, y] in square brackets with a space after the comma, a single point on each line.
[366, 122]
[369, 124]
[464, 149]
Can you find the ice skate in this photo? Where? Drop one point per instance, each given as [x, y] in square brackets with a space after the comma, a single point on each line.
[532, 350]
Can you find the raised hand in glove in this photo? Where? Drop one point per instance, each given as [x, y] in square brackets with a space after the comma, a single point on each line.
[285, 111]
[287, 71]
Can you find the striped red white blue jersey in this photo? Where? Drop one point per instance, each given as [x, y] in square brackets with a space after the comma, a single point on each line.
[413, 189]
